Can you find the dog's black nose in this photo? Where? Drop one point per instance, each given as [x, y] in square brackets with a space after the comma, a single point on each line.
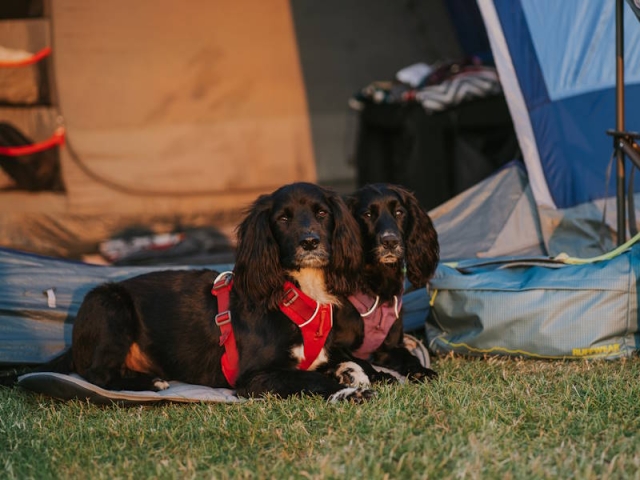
[310, 242]
[389, 240]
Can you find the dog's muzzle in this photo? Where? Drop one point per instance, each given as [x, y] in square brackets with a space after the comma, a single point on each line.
[390, 248]
[311, 253]
[312, 259]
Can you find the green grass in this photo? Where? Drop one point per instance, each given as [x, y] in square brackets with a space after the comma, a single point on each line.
[481, 419]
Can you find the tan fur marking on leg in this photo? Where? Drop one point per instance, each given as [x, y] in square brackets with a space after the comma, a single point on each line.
[137, 361]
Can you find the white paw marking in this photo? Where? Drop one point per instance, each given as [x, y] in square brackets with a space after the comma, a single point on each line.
[343, 394]
[297, 353]
[352, 374]
[356, 394]
[160, 384]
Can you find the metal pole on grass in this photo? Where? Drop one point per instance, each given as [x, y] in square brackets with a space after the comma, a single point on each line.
[620, 184]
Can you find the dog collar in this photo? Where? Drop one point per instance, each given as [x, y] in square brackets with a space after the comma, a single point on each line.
[311, 317]
[378, 319]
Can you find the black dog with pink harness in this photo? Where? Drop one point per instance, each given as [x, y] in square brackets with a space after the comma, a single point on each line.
[400, 243]
[378, 318]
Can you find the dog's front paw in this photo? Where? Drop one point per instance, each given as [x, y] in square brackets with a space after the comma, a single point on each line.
[352, 394]
[422, 375]
[352, 374]
[384, 377]
[160, 384]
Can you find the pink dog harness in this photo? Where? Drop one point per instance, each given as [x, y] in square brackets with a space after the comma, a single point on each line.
[378, 319]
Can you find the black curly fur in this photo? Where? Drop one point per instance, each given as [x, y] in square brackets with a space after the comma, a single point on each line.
[160, 325]
[259, 271]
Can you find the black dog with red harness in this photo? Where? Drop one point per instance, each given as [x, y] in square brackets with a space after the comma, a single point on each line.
[266, 328]
[312, 318]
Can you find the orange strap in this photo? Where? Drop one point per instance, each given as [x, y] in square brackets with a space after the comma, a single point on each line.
[56, 139]
[36, 57]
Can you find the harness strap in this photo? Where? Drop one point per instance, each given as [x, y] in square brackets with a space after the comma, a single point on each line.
[221, 290]
[378, 319]
[313, 318]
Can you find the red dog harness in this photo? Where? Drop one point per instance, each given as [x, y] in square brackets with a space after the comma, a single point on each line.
[310, 316]
[377, 319]
[221, 288]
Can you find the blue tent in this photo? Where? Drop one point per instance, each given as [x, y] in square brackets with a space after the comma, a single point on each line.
[556, 62]
[557, 65]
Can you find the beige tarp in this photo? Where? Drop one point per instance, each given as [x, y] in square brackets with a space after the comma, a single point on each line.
[172, 110]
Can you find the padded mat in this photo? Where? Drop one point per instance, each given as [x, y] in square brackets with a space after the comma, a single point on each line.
[70, 387]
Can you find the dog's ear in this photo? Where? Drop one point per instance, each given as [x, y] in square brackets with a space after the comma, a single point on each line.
[350, 201]
[346, 259]
[258, 274]
[423, 249]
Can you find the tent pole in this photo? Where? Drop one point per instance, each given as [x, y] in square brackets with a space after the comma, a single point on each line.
[620, 185]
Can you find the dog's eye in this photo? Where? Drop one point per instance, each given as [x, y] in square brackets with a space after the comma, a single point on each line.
[321, 214]
[283, 218]
[398, 213]
[367, 214]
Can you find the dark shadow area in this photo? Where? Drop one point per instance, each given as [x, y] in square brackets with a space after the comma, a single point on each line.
[139, 245]
[35, 172]
[16, 9]
[436, 155]
[346, 45]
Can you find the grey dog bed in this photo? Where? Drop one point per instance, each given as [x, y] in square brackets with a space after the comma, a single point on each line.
[70, 387]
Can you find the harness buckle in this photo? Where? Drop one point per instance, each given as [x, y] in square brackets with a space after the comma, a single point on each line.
[286, 301]
[222, 280]
[223, 318]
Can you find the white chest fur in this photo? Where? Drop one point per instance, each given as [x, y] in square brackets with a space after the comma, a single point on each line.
[312, 283]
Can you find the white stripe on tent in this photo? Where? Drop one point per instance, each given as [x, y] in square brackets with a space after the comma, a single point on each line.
[517, 106]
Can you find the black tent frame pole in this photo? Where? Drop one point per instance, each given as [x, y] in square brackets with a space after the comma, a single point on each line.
[620, 184]
[624, 143]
